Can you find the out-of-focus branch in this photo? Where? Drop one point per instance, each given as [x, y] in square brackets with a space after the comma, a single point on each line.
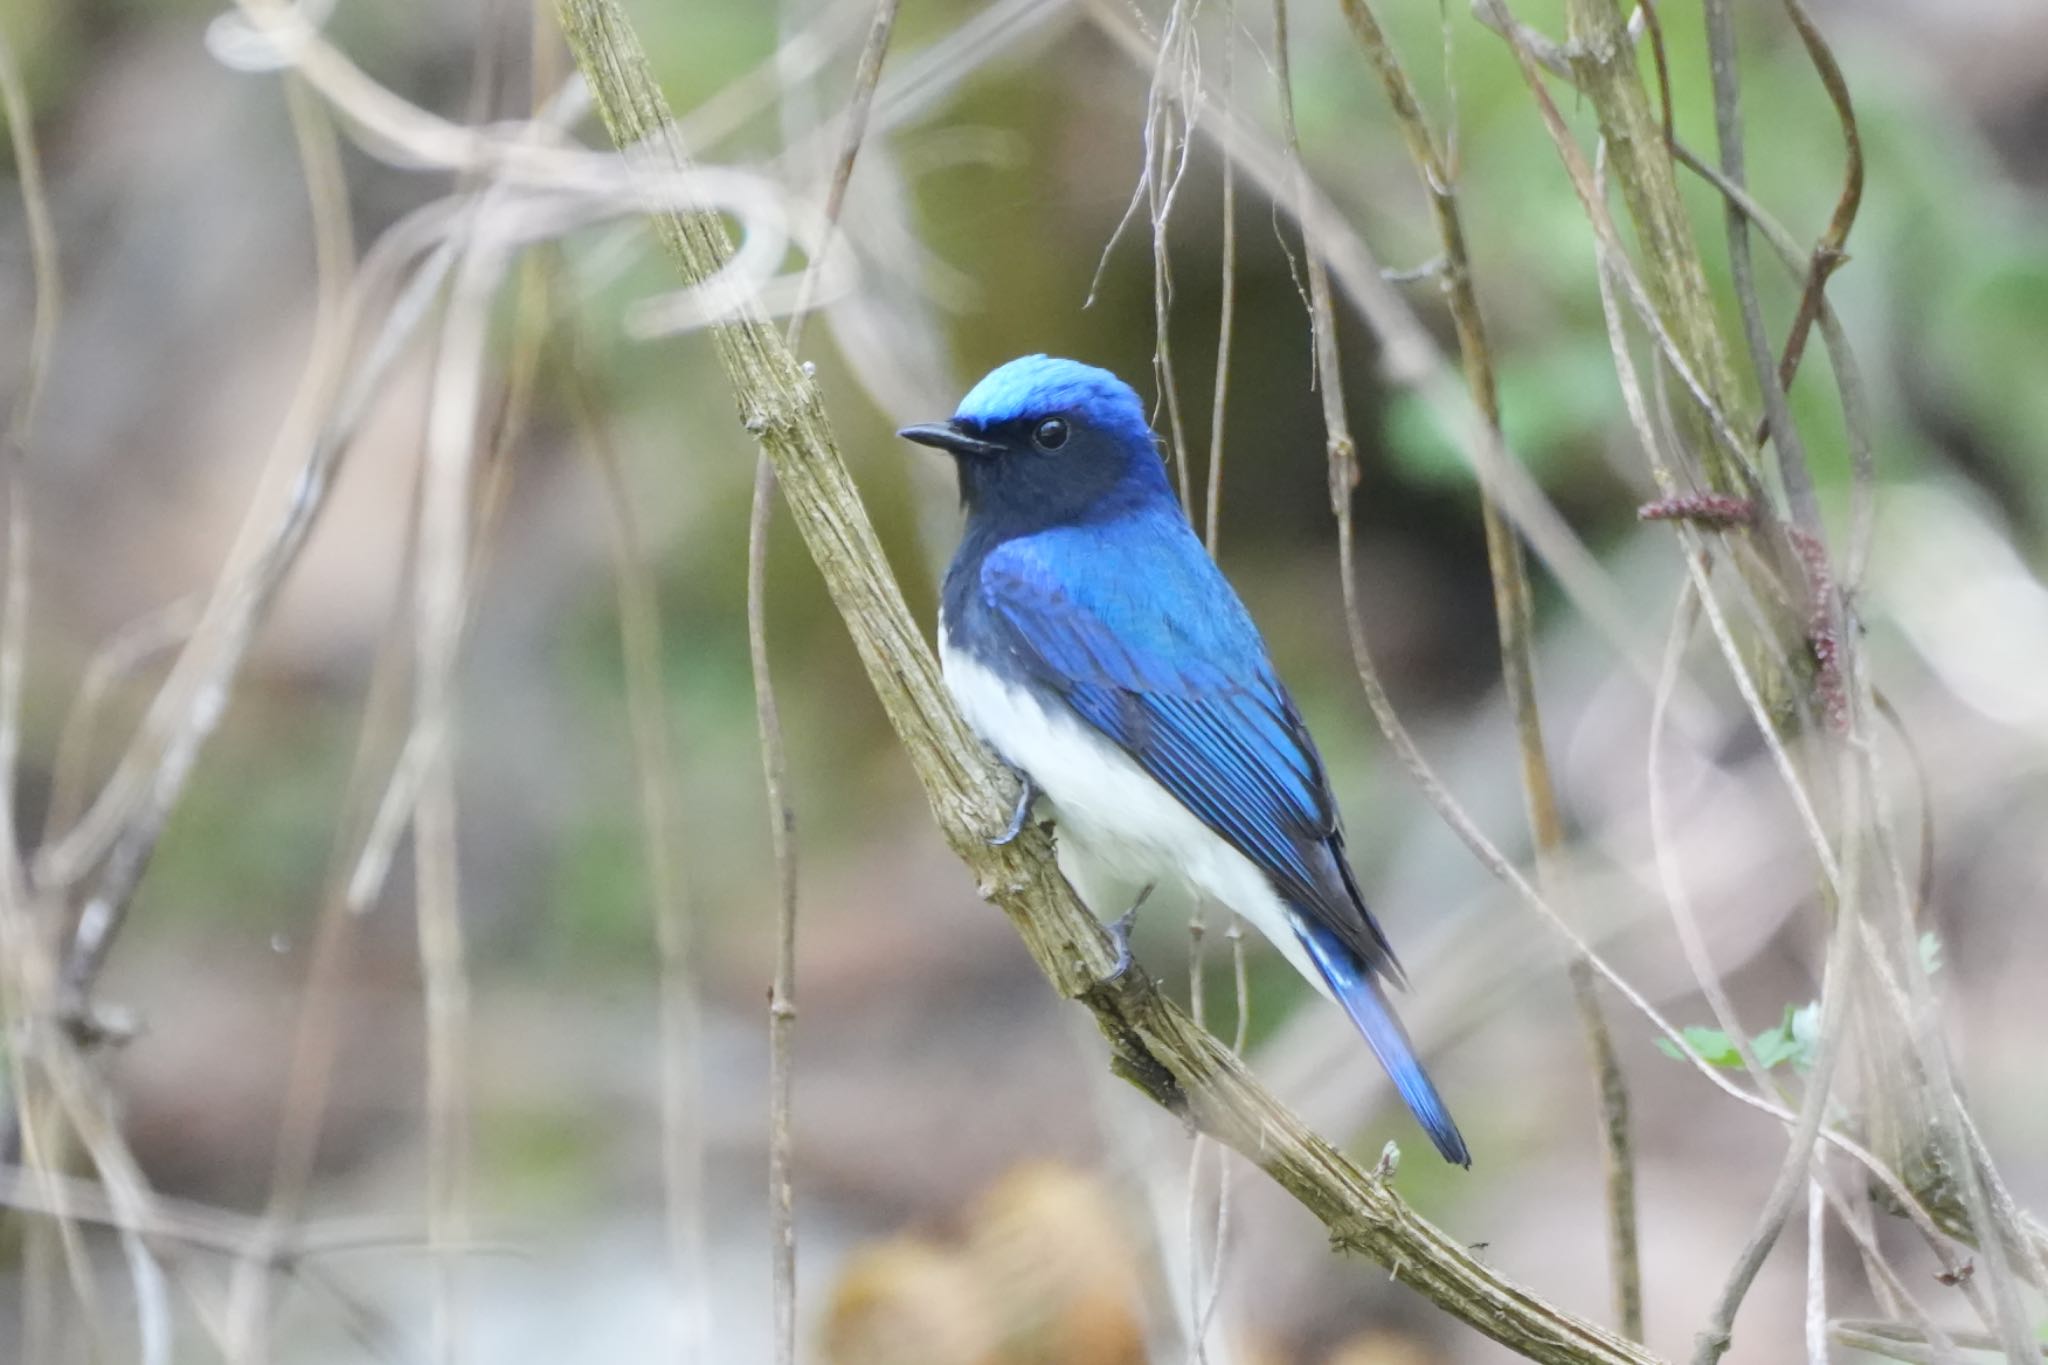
[1155, 1045]
[1212, 504]
[1515, 621]
[48, 308]
[774, 753]
[1898, 1342]
[1603, 58]
[660, 801]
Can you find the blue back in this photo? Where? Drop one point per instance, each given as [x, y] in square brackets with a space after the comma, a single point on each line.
[1125, 620]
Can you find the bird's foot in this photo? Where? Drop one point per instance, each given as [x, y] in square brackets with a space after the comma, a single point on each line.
[1120, 934]
[1020, 816]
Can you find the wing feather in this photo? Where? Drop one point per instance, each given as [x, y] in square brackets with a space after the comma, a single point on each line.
[1191, 696]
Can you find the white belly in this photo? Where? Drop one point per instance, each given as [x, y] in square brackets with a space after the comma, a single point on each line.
[1119, 830]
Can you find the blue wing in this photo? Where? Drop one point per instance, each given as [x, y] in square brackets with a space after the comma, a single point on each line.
[1142, 637]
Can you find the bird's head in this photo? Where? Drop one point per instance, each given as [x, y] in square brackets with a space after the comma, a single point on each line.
[1044, 442]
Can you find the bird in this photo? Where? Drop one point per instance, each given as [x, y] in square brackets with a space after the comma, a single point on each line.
[1090, 640]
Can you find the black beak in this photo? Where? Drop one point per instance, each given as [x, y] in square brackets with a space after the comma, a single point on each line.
[950, 438]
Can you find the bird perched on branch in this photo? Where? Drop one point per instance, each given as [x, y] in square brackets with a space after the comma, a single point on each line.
[1092, 642]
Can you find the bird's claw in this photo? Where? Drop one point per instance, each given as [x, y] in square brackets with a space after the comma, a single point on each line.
[1120, 934]
[1018, 817]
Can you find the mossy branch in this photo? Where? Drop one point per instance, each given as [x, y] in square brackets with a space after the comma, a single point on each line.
[1155, 1045]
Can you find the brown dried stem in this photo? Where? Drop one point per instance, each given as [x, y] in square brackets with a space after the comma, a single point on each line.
[1513, 616]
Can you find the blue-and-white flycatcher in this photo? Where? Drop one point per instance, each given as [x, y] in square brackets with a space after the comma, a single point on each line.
[1091, 641]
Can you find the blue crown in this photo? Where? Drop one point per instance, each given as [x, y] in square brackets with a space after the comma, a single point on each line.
[1041, 386]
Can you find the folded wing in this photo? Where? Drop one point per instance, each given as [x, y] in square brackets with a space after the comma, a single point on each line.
[1164, 661]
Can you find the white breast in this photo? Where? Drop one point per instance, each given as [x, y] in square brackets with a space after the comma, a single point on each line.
[1119, 830]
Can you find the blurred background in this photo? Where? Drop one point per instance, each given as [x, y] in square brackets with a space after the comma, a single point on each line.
[971, 1185]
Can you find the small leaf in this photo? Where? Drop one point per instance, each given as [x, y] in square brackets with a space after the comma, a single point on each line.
[1773, 1046]
[1930, 952]
[1711, 1043]
[1803, 1027]
[1793, 1040]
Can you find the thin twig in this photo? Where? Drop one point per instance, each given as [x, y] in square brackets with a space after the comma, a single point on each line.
[1855, 411]
[1513, 616]
[1241, 992]
[1829, 252]
[782, 991]
[1677, 899]
[1604, 59]
[1226, 317]
[1198, 1150]
[1793, 471]
[445, 532]
[22, 945]
[1176, 81]
[1816, 1270]
[1900, 1342]
[1204, 1299]
[48, 309]
[316, 1035]
[119, 830]
[654, 765]
[1613, 275]
[782, 1007]
[1328, 370]
[1646, 10]
[118, 659]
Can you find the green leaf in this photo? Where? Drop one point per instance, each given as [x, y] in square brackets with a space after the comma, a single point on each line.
[1711, 1043]
[1803, 1025]
[1775, 1046]
[1791, 1041]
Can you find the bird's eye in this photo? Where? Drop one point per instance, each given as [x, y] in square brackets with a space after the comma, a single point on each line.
[1051, 434]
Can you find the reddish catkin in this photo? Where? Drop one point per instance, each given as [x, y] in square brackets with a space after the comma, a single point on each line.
[1718, 510]
[1828, 685]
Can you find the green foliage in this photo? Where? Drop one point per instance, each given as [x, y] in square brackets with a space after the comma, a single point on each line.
[1555, 401]
[1792, 1040]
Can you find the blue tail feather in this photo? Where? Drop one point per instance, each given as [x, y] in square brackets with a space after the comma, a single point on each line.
[1356, 988]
